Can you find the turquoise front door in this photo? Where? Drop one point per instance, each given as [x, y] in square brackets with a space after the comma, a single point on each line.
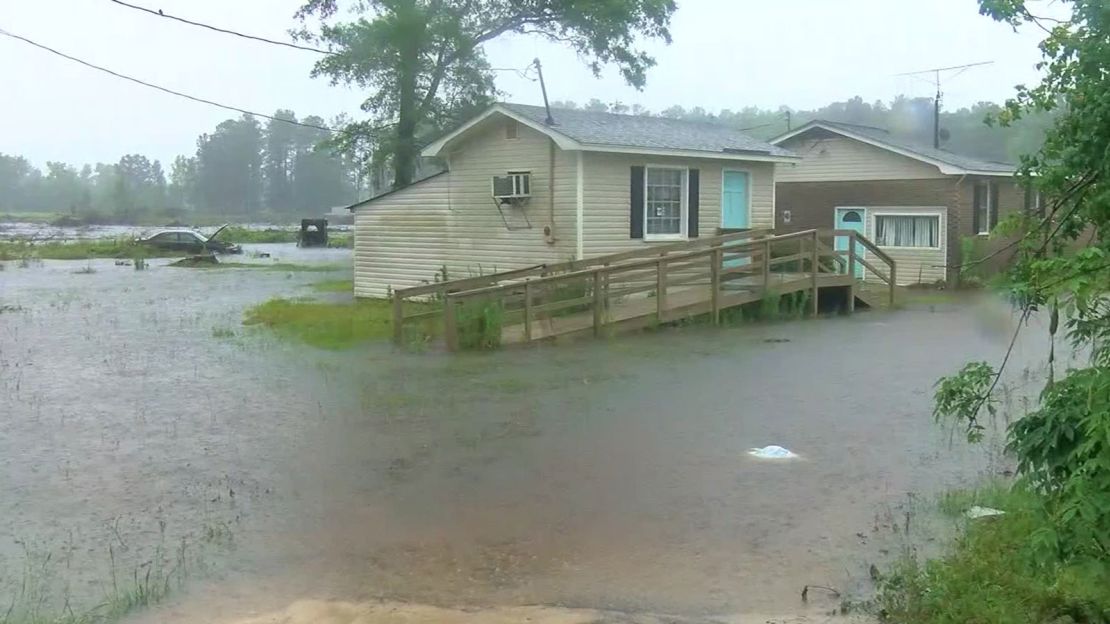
[851, 219]
[735, 208]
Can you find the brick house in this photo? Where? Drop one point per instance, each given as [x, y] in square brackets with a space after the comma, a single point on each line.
[922, 205]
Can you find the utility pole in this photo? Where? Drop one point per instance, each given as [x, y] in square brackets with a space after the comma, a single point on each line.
[543, 87]
[936, 115]
[939, 95]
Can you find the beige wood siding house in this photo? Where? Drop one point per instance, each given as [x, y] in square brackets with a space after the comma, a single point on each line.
[597, 183]
[918, 203]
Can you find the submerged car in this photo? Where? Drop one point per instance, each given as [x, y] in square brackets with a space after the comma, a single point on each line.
[190, 241]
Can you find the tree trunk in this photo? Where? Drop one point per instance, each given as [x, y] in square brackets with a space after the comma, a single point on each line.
[404, 155]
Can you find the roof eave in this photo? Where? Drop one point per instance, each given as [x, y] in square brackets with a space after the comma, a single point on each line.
[1000, 174]
[436, 148]
[682, 153]
[943, 167]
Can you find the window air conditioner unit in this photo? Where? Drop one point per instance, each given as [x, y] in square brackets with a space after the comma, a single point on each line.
[514, 186]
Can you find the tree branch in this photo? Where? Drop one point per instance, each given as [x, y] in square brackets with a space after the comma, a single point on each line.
[1084, 182]
[433, 86]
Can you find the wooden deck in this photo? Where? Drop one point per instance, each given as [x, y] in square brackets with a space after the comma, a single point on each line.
[656, 285]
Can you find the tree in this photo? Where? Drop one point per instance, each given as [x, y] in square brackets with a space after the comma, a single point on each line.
[319, 179]
[182, 190]
[61, 189]
[229, 166]
[278, 157]
[424, 62]
[17, 179]
[1063, 271]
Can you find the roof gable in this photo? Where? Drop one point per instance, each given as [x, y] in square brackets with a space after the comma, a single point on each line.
[608, 132]
[947, 162]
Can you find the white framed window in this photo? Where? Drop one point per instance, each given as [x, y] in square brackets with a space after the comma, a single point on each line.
[665, 209]
[908, 230]
[515, 184]
[510, 129]
[1033, 203]
[522, 182]
[986, 207]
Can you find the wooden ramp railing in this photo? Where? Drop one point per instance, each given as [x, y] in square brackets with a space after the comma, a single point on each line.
[642, 288]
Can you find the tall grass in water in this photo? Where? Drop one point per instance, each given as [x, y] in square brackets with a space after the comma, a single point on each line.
[325, 324]
[990, 575]
[479, 324]
[34, 599]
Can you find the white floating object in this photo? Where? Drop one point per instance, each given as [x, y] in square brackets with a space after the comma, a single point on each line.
[772, 452]
[983, 512]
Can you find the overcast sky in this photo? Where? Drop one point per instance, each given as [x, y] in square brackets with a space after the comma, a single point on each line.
[725, 54]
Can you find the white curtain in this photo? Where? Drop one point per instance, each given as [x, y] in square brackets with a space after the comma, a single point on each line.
[907, 231]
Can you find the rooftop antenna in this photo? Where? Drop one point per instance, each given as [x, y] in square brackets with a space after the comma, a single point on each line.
[543, 87]
[936, 81]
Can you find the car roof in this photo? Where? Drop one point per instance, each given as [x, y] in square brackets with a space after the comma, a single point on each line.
[174, 230]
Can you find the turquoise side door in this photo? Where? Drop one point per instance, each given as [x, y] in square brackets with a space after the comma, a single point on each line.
[735, 207]
[851, 219]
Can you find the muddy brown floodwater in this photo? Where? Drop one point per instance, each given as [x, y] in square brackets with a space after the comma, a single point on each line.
[139, 418]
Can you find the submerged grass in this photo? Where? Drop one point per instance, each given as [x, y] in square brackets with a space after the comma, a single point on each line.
[325, 325]
[239, 234]
[78, 250]
[276, 266]
[334, 286]
[989, 575]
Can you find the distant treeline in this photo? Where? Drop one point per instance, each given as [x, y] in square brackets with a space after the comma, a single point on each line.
[907, 118]
[246, 169]
[241, 168]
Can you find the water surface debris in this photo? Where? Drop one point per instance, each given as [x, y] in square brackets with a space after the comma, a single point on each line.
[772, 452]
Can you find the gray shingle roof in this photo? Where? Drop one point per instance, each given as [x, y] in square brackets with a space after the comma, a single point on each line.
[884, 137]
[636, 131]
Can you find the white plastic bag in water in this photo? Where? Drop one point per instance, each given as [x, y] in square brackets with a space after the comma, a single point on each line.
[772, 452]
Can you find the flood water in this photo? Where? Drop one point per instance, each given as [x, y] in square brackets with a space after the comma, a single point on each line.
[137, 415]
[14, 230]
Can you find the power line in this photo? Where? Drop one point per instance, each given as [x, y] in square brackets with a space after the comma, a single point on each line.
[164, 89]
[160, 13]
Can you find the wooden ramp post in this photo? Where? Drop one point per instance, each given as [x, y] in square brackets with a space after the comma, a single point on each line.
[599, 301]
[528, 311]
[450, 323]
[716, 259]
[893, 284]
[398, 319]
[660, 289]
[851, 270]
[766, 265]
[814, 259]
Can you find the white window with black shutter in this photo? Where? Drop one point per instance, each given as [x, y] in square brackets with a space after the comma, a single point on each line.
[664, 203]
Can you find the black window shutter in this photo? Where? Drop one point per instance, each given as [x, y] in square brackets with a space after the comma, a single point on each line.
[692, 203]
[976, 201]
[636, 213]
[993, 209]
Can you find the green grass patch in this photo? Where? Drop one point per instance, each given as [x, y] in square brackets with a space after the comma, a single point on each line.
[276, 266]
[326, 325]
[335, 286]
[79, 250]
[28, 217]
[989, 574]
[238, 234]
[343, 241]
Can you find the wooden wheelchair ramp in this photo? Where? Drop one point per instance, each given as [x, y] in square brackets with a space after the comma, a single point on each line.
[659, 284]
